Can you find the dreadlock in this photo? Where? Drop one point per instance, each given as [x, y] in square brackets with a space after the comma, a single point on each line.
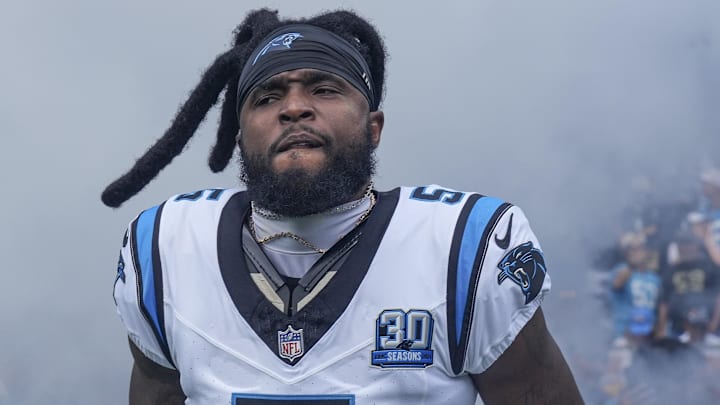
[224, 73]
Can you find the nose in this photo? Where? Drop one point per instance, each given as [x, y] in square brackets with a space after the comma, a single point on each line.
[296, 107]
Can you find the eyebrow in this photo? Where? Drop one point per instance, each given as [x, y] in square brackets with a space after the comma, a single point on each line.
[308, 78]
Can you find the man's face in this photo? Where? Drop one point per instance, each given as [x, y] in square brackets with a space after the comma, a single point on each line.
[637, 257]
[307, 135]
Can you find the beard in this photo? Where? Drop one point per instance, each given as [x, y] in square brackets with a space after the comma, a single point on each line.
[298, 192]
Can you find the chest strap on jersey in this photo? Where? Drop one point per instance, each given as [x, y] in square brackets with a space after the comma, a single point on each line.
[292, 298]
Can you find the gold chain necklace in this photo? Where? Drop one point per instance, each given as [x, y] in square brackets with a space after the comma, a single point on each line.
[300, 239]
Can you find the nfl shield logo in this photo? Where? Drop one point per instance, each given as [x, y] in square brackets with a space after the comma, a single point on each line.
[290, 343]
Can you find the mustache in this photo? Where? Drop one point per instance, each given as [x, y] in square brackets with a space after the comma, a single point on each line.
[327, 140]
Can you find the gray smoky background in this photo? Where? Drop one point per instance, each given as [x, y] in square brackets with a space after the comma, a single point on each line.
[561, 107]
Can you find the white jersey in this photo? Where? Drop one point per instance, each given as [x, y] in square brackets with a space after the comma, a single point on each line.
[432, 287]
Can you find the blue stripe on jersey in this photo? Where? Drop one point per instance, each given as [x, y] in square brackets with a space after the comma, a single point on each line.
[144, 236]
[477, 221]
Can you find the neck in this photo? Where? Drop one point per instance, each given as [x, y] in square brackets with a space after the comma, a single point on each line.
[363, 193]
[321, 230]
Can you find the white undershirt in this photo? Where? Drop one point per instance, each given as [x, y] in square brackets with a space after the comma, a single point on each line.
[290, 257]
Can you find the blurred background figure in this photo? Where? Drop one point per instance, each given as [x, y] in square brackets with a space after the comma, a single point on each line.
[691, 284]
[665, 301]
[635, 290]
[692, 234]
[710, 206]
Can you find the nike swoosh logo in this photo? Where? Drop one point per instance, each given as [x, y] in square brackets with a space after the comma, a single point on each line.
[504, 243]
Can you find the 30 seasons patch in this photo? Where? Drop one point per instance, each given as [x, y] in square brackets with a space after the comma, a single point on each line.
[403, 339]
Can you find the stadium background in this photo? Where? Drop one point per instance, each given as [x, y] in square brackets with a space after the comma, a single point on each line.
[552, 105]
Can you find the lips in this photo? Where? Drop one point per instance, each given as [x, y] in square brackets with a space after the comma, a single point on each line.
[300, 140]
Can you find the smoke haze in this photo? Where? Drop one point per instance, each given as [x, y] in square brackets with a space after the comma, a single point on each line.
[556, 106]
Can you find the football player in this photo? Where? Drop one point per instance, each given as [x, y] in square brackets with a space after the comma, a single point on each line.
[310, 286]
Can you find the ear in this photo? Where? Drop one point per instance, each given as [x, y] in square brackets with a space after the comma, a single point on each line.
[377, 121]
[238, 138]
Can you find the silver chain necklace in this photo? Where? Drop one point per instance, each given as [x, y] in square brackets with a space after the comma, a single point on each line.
[271, 215]
[334, 210]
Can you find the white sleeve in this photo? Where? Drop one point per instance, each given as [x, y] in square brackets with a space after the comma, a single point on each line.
[513, 283]
[128, 291]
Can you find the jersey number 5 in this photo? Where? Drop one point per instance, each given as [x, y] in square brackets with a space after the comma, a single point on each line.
[441, 195]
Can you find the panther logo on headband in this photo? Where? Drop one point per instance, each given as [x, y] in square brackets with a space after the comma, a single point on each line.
[279, 41]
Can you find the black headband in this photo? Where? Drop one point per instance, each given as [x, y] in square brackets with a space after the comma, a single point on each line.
[303, 46]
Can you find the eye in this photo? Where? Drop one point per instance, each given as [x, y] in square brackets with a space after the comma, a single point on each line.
[265, 99]
[325, 90]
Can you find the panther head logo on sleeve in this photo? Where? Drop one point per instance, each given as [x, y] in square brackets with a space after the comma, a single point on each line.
[525, 266]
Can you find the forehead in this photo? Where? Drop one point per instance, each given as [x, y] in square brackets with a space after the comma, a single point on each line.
[302, 76]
